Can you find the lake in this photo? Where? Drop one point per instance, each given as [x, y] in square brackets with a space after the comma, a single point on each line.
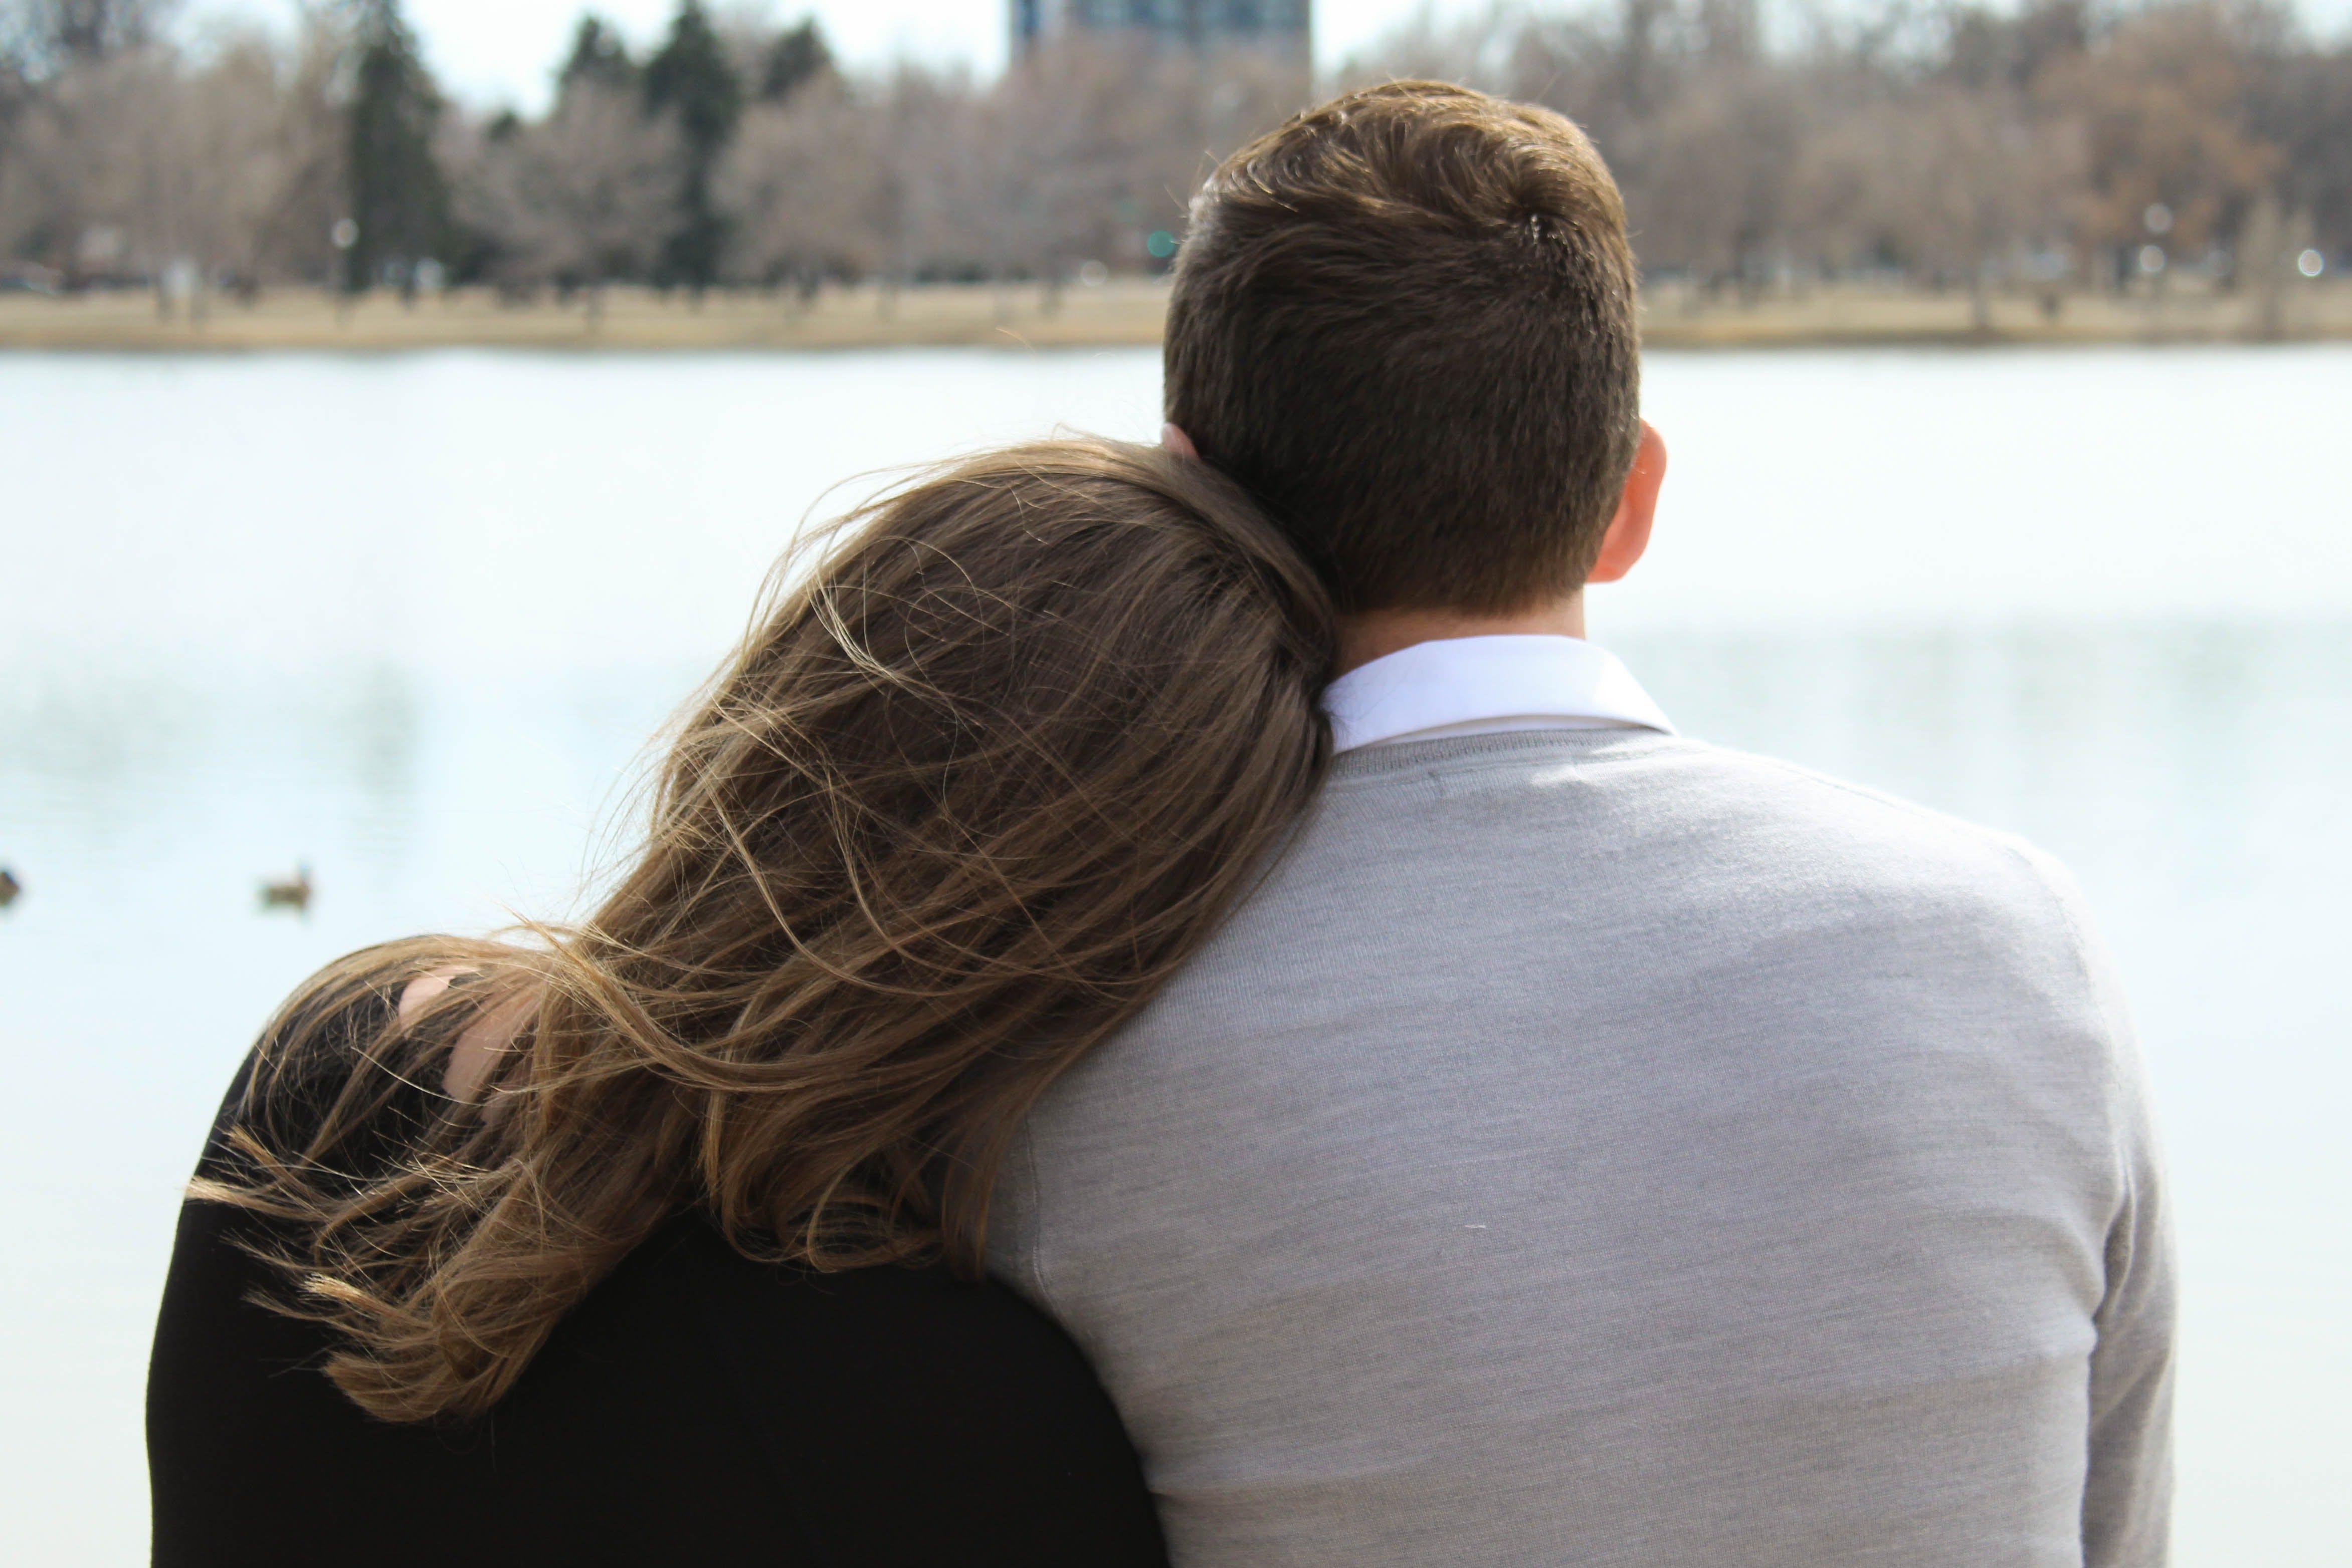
[409, 621]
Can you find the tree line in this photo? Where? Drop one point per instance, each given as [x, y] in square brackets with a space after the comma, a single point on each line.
[1954, 144]
[2063, 144]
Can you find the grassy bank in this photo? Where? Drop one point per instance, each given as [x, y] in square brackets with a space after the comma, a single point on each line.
[626, 319]
[1115, 314]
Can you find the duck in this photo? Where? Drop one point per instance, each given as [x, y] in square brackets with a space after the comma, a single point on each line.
[294, 894]
[9, 887]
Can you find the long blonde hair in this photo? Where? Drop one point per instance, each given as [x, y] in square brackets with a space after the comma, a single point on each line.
[955, 810]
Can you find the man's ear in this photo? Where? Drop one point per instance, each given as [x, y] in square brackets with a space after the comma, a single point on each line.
[1176, 441]
[1637, 508]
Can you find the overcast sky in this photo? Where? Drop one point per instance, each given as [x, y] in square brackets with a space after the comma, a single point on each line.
[492, 52]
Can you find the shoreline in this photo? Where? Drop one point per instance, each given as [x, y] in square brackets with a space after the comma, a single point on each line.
[1124, 314]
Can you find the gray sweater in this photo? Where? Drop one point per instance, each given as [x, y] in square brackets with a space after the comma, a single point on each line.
[1601, 1148]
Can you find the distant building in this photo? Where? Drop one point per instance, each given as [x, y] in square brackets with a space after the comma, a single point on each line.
[1281, 26]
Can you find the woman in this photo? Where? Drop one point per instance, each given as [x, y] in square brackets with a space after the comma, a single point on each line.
[660, 1238]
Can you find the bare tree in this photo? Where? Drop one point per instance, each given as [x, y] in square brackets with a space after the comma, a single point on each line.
[252, 168]
[803, 183]
[1082, 152]
[299, 213]
[80, 181]
[144, 163]
[584, 196]
[1966, 183]
[1049, 151]
[2161, 104]
[1716, 163]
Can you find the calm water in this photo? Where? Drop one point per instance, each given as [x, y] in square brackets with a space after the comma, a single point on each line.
[410, 620]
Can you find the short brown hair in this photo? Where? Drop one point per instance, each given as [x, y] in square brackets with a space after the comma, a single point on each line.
[1405, 321]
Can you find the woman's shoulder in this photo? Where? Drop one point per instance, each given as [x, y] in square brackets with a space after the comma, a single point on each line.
[286, 1082]
[325, 1059]
[910, 1402]
[945, 1339]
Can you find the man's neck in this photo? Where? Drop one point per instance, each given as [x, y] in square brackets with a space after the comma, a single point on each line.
[1376, 634]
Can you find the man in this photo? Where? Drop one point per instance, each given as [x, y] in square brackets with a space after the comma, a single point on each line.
[1589, 1146]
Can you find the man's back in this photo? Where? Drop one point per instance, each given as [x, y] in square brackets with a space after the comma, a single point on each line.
[1598, 1148]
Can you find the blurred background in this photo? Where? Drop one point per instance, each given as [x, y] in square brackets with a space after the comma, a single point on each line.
[1793, 168]
[2005, 356]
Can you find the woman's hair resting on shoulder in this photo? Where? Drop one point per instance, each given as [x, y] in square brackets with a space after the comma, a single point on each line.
[985, 777]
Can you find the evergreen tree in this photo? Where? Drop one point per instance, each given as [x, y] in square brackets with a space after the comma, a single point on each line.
[598, 55]
[692, 79]
[399, 200]
[798, 56]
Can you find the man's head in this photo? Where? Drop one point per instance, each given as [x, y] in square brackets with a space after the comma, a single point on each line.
[1405, 321]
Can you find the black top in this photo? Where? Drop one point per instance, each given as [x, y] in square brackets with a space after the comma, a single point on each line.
[697, 1407]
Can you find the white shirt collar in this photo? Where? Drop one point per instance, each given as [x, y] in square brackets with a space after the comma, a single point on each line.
[1485, 686]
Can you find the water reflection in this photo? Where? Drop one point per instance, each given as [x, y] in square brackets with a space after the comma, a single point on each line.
[2171, 753]
[92, 757]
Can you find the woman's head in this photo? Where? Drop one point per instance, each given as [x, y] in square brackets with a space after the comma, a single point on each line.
[985, 775]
